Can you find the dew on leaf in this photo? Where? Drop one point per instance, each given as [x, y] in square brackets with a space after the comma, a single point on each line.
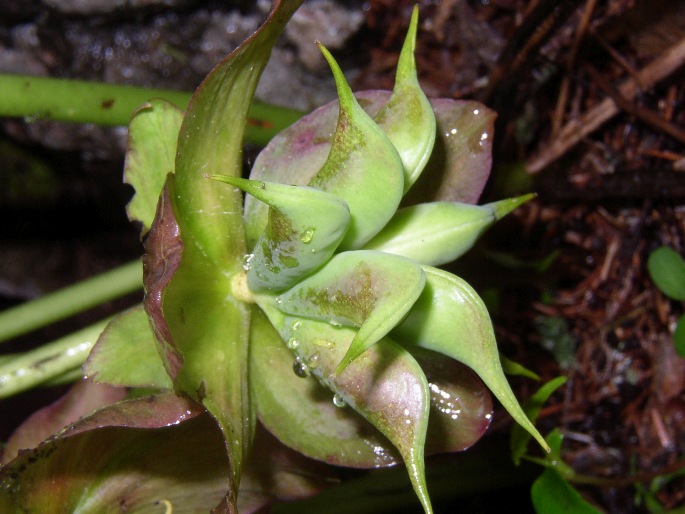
[300, 368]
[246, 261]
[338, 401]
[313, 361]
[292, 343]
[307, 236]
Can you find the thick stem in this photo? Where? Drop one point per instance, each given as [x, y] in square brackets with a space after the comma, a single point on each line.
[79, 101]
[70, 300]
[49, 361]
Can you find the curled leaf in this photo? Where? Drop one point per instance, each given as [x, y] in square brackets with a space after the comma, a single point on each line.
[439, 232]
[362, 161]
[96, 465]
[150, 154]
[369, 290]
[407, 118]
[450, 318]
[162, 257]
[305, 227]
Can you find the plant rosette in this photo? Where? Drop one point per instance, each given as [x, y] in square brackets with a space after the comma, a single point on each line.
[316, 305]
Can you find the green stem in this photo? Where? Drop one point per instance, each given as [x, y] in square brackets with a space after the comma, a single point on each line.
[48, 362]
[80, 101]
[70, 300]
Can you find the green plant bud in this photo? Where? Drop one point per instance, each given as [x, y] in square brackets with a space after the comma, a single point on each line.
[407, 118]
[369, 290]
[304, 228]
[451, 318]
[363, 167]
[386, 385]
[440, 232]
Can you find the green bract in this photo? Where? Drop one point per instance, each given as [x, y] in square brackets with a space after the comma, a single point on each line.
[338, 295]
[314, 306]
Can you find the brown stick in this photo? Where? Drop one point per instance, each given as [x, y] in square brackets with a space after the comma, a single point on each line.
[565, 88]
[646, 115]
[575, 130]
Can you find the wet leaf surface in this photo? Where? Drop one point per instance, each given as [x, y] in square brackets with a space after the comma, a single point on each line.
[457, 170]
[370, 290]
[385, 384]
[450, 318]
[301, 413]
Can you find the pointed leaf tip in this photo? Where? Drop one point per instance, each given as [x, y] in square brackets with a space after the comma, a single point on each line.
[366, 289]
[304, 228]
[362, 161]
[408, 118]
[449, 317]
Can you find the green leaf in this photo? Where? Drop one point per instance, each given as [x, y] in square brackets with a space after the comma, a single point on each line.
[667, 270]
[366, 289]
[450, 318]
[439, 232]
[150, 155]
[461, 405]
[305, 227]
[511, 367]
[458, 168]
[301, 413]
[363, 167]
[462, 156]
[208, 327]
[407, 118]
[679, 336]
[532, 406]
[551, 494]
[385, 385]
[126, 354]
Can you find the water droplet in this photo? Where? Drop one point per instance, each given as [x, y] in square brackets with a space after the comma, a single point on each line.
[300, 368]
[292, 343]
[338, 401]
[334, 323]
[313, 361]
[262, 185]
[307, 236]
[246, 261]
[295, 325]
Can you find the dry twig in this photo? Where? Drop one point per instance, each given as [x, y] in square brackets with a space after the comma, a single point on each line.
[574, 131]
